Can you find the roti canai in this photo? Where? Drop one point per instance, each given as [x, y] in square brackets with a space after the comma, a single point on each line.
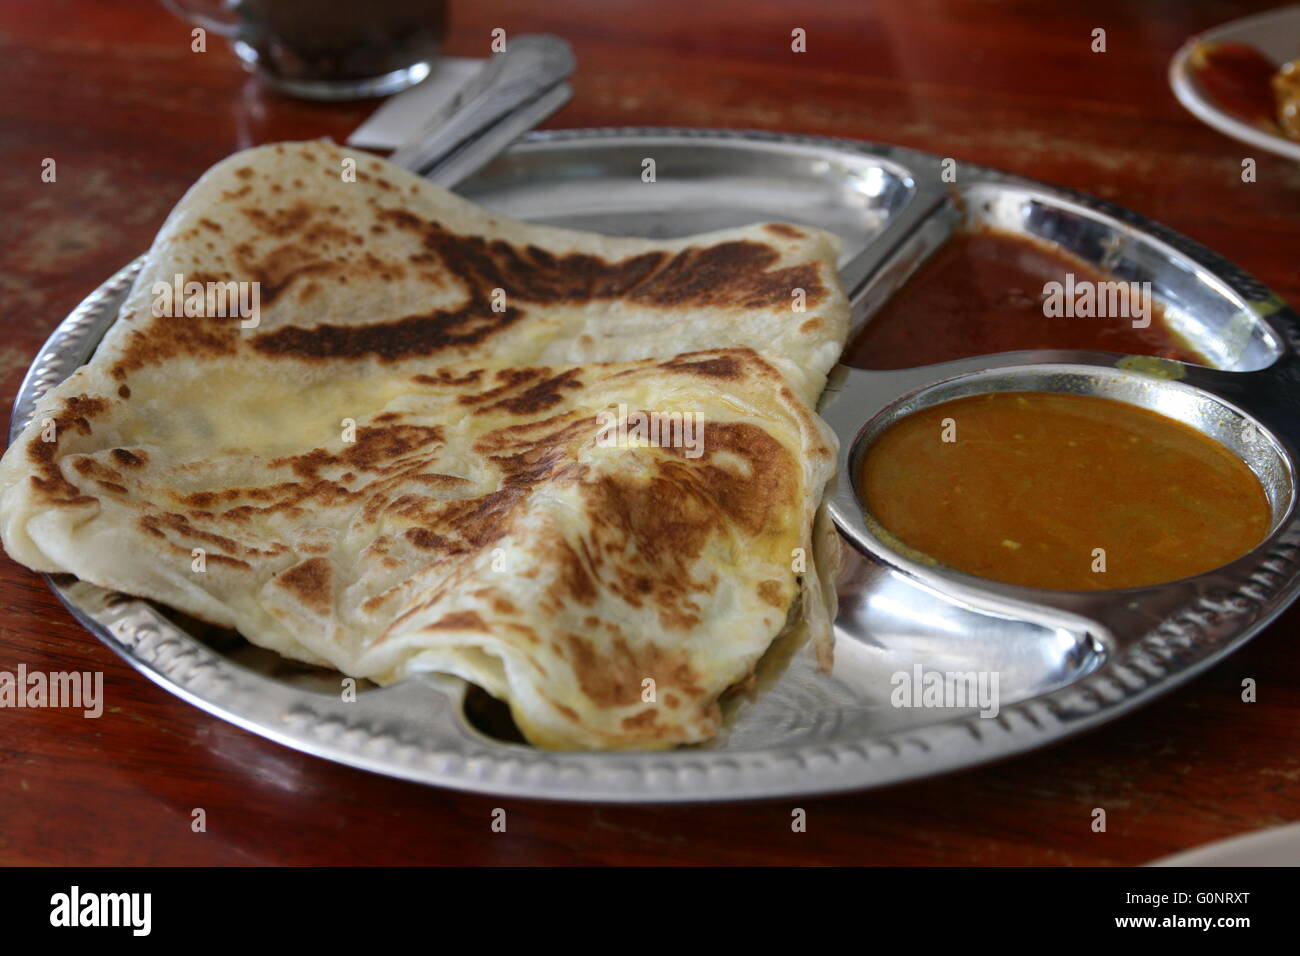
[581, 472]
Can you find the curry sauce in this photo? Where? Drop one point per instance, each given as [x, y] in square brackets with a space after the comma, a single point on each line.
[1062, 491]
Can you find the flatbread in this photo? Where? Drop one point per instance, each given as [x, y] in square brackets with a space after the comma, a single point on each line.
[408, 464]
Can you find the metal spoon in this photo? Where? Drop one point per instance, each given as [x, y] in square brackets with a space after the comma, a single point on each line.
[513, 92]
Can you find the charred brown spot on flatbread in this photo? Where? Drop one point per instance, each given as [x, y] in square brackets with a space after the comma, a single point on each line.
[538, 451]
[130, 459]
[642, 722]
[311, 582]
[507, 379]
[377, 449]
[646, 533]
[312, 546]
[473, 523]
[538, 397]
[76, 414]
[276, 271]
[772, 592]
[279, 222]
[427, 540]
[613, 677]
[575, 580]
[737, 274]
[784, 230]
[725, 366]
[459, 621]
[157, 338]
[449, 377]
[753, 496]
[85, 465]
[222, 560]
[407, 337]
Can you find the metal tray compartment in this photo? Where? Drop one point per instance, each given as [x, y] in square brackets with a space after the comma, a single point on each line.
[915, 610]
[1066, 661]
[1203, 309]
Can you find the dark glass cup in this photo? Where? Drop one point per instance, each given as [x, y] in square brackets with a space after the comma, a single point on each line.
[328, 49]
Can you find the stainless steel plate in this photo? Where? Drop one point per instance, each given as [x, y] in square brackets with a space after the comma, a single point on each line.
[1066, 662]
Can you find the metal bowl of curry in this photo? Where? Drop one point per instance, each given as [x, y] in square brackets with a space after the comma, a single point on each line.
[1087, 476]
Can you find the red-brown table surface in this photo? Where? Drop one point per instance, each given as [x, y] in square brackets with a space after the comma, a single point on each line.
[112, 91]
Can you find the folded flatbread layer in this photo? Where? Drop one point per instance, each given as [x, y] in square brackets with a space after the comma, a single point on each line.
[408, 464]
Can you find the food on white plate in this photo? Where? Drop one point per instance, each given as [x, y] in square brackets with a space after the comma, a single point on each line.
[1244, 82]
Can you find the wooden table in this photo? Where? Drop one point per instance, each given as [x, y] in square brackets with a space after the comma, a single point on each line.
[113, 93]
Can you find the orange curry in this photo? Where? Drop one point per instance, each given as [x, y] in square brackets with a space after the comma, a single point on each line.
[1061, 491]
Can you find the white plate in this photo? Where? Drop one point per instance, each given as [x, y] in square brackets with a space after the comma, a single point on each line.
[1279, 846]
[1276, 34]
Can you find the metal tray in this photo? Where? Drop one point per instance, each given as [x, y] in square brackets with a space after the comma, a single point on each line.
[1066, 661]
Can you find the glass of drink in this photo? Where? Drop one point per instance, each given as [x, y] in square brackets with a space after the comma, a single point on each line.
[328, 49]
